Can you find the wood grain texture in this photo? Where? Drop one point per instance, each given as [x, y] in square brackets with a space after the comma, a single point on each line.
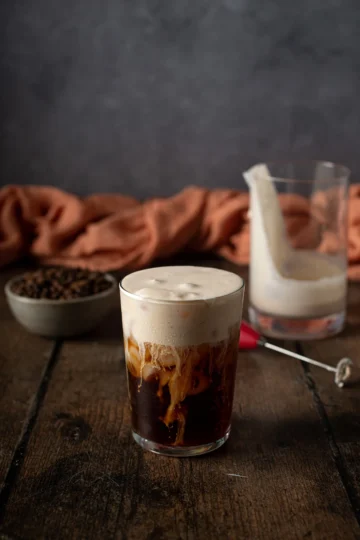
[23, 362]
[84, 477]
[340, 408]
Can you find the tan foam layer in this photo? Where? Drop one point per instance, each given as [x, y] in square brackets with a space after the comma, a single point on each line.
[181, 306]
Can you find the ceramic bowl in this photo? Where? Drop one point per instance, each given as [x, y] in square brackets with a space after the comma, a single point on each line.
[61, 318]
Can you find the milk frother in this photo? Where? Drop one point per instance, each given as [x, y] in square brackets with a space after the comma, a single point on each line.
[251, 339]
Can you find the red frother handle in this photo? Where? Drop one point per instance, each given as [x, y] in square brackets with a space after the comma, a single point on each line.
[249, 338]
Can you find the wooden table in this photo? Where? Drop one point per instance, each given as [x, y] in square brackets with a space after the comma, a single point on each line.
[70, 469]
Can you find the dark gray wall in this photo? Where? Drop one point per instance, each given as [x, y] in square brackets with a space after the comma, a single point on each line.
[146, 96]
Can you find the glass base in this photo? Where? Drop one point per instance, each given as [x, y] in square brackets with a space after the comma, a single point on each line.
[296, 329]
[180, 451]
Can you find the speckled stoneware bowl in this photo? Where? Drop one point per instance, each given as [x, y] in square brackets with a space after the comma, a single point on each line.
[61, 318]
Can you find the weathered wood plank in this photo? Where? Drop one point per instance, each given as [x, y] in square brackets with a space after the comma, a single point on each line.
[340, 408]
[84, 477]
[23, 362]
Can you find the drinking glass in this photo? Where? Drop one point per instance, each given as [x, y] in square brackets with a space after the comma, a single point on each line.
[181, 358]
[298, 261]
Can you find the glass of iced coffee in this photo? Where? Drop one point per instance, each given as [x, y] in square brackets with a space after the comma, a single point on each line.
[298, 262]
[181, 329]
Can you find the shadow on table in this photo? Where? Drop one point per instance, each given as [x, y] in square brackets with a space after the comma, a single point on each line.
[353, 308]
[255, 439]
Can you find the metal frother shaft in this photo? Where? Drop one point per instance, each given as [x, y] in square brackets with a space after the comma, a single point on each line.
[342, 370]
[250, 339]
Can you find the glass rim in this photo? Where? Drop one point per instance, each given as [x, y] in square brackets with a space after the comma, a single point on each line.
[344, 175]
[135, 296]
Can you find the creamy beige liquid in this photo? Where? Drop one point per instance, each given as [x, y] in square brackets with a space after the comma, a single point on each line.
[180, 305]
[283, 281]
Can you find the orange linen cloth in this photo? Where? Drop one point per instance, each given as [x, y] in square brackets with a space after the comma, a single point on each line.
[107, 232]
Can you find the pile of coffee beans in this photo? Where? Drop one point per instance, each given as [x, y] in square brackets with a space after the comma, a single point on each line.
[57, 283]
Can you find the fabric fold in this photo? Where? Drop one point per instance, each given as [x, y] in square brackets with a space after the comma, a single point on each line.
[108, 232]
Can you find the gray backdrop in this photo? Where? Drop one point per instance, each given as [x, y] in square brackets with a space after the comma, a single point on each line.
[146, 96]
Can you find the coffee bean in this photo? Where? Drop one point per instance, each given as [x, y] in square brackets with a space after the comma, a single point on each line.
[58, 283]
